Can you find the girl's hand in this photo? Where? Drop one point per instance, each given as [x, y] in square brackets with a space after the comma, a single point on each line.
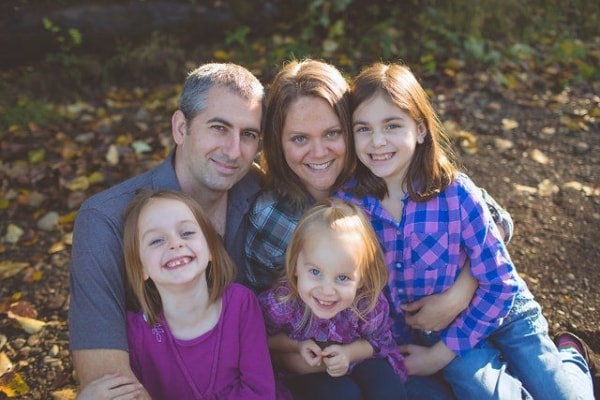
[310, 352]
[431, 313]
[337, 359]
[113, 386]
[421, 360]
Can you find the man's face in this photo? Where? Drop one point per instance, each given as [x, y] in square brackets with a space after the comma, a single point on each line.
[217, 147]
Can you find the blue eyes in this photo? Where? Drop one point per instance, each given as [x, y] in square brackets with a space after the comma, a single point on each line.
[340, 278]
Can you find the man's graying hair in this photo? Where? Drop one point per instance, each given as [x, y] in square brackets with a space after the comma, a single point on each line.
[228, 75]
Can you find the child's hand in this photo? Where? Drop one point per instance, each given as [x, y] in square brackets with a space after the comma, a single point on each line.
[310, 352]
[421, 360]
[431, 313]
[436, 312]
[336, 359]
[111, 387]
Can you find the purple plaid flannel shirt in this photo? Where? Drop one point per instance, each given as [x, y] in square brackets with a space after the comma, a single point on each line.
[426, 250]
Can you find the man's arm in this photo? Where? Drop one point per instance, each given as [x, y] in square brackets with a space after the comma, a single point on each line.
[93, 364]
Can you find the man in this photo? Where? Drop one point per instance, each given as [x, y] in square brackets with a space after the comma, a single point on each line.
[216, 131]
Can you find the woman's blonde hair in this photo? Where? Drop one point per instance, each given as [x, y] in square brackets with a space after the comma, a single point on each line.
[220, 272]
[341, 216]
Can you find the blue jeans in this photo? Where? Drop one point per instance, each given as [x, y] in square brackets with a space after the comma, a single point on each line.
[519, 361]
[370, 379]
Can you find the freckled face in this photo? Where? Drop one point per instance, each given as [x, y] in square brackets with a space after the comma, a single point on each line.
[328, 280]
[313, 144]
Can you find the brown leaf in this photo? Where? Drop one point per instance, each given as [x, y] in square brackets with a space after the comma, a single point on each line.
[23, 308]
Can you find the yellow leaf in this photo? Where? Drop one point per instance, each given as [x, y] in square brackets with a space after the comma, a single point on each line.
[12, 384]
[508, 124]
[29, 325]
[5, 364]
[13, 233]
[10, 268]
[56, 247]
[220, 55]
[37, 276]
[539, 157]
[112, 155]
[79, 183]
[36, 155]
[4, 203]
[67, 218]
[96, 177]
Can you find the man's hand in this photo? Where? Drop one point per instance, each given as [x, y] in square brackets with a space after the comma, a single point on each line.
[113, 386]
[91, 365]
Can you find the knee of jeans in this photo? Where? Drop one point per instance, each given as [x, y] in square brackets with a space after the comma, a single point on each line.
[468, 365]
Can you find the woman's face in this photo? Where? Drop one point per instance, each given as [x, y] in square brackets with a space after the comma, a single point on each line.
[313, 144]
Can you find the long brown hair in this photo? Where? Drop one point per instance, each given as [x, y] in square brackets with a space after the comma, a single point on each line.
[298, 79]
[219, 274]
[432, 167]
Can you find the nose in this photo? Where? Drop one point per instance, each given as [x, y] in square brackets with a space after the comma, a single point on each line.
[231, 146]
[318, 148]
[327, 289]
[175, 243]
[378, 138]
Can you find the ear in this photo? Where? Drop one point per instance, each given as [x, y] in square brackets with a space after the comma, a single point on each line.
[421, 132]
[178, 126]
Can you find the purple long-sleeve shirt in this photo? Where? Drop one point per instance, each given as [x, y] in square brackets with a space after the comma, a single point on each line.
[344, 328]
[427, 248]
[231, 361]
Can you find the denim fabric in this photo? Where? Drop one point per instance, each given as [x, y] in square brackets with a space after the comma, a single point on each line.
[371, 379]
[520, 361]
[428, 388]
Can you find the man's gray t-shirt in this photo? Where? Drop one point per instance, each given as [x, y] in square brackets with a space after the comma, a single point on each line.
[97, 277]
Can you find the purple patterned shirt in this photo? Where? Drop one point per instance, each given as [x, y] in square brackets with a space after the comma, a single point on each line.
[285, 316]
[426, 250]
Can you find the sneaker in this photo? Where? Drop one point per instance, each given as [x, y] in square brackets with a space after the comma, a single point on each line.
[592, 359]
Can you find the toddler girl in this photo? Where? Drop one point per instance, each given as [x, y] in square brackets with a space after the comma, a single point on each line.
[330, 310]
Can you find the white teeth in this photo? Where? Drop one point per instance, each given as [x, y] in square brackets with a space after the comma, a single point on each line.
[320, 166]
[325, 303]
[381, 157]
[178, 262]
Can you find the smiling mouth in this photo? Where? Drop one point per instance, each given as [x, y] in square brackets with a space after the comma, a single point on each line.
[178, 262]
[320, 167]
[381, 157]
[326, 304]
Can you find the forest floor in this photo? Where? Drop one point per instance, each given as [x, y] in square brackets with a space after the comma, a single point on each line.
[536, 151]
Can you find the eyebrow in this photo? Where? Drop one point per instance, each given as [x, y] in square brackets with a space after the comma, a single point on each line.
[388, 119]
[229, 124]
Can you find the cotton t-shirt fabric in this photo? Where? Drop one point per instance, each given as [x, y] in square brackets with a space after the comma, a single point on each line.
[344, 328]
[426, 250]
[97, 277]
[230, 361]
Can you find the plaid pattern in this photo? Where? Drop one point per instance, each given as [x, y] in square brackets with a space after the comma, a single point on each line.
[286, 316]
[270, 228]
[427, 249]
